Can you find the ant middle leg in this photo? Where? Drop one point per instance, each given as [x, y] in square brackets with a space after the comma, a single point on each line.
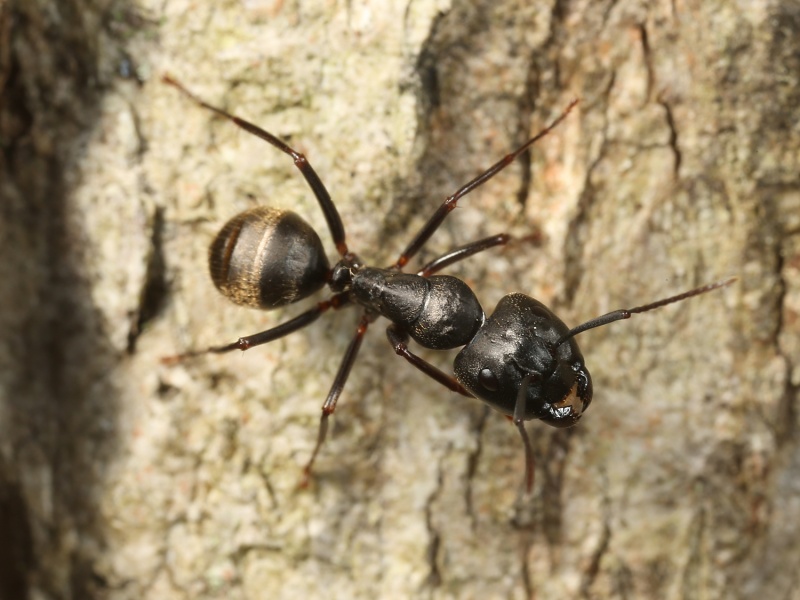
[329, 406]
[449, 204]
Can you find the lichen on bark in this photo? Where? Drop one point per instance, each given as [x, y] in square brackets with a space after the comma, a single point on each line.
[121, 477]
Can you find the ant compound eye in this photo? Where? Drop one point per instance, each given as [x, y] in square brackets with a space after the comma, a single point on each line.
[488, 380]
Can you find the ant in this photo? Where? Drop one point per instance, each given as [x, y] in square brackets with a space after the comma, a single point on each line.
[522, 360]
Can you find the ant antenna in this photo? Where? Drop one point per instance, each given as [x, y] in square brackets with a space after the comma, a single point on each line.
[626, 313]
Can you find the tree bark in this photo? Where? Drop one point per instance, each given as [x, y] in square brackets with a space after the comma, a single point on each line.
[122, 477]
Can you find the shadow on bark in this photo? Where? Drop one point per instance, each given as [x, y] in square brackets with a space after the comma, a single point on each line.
[57, 398]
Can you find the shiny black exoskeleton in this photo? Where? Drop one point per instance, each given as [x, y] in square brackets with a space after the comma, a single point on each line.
[522, 338]
[438, 312]
[522, 361]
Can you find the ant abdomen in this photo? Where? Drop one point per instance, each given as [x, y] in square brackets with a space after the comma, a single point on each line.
[265, 258]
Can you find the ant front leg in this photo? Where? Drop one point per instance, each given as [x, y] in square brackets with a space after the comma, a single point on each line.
[398, 338]
[471, 249]
[463, 252]
[519, 422]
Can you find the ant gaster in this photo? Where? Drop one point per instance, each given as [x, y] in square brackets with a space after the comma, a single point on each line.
[522, 360]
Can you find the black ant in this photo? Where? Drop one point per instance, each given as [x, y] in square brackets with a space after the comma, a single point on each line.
[522, 360]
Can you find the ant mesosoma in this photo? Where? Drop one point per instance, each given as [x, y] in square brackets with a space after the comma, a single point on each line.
[522, 360]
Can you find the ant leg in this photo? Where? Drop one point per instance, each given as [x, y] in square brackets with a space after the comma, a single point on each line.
[399, 341]
[323, 197]
[244, 343]
[450, 202]
[454, 256]
[336, 390]
[467, 250]
[519, 421]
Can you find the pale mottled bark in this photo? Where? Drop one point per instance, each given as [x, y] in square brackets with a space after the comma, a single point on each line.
[124, 478]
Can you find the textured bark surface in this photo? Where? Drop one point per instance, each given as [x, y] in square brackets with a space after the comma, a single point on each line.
[124, 478]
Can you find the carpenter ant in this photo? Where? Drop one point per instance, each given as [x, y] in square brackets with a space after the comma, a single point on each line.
[522, 360]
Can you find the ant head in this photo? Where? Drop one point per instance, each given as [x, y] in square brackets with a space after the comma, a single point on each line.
[525, 362]
[524, 346]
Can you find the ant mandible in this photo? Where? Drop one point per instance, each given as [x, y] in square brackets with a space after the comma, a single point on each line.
[523, 361]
